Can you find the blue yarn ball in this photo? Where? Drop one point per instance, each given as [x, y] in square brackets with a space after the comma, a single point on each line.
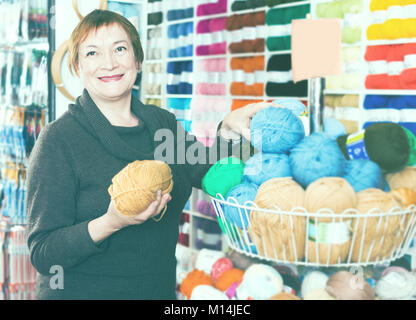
[316, 156]
[265, 166]
[363, 174]
[275, 130]
[333, 128]
[242, 193]
[295, 105]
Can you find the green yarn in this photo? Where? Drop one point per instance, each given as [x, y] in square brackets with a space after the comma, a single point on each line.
[279, 43]
[412, 144]
[228, 229]
[222, 176]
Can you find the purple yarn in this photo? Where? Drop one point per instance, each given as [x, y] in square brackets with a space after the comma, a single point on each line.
[206, 208]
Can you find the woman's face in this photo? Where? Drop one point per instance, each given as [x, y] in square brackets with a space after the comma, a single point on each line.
[107, 65]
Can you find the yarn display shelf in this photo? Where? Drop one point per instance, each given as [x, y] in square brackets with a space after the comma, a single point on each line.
[170, 22]
[360, 246]
[389, 42]
[199, 215]
[184, 58]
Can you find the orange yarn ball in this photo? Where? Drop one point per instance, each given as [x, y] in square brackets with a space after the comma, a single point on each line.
[194, 278]
[227, 278]
[136, 185]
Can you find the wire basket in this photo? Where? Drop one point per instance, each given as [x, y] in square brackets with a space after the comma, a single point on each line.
[316, 239]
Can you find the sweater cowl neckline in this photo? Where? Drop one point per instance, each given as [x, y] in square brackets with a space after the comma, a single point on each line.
[105, 132]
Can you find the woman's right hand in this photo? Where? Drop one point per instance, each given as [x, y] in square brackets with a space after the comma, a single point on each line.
[112, 221]
[119, 221]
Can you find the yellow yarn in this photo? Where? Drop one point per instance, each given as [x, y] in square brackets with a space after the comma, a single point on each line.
[381, 233]
[281, 234]
[136, 186]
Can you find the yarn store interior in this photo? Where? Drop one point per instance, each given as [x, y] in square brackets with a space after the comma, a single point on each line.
[320, 204]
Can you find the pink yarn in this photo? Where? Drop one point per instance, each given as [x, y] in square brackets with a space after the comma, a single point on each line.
[217, 24]
[210, 88]
[203, 26]
[220, 266]
[202, 50]
[218, 48]
[230, 292]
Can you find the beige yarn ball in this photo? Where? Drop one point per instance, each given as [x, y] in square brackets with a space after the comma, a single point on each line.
[405, 178]
[318, 294]
[337, 195]
[380, 232]
[344, 285]
[136, 185]
[277, 235]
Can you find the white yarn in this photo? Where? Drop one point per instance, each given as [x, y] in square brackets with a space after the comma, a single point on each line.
[206, 258]
[396, 285]
[313, 280]
[207, 292]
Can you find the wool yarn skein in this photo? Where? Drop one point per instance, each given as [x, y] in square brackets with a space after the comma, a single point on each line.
[316, 156]
[275, 130]
[280, 236]
[344, 285]
[136, 185]
[405, 178]
[241, 193]
[363, 174]
[376, 237]
[329, 238]
[222, 176]
[265, 166]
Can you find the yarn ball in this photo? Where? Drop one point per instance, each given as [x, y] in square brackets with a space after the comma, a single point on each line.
[344, 285]
[396, 285]
[386, 144]
[280, 236]
[313, 280]
[135, 187]
[222, 176]
[363, 174]
[206, 208]
[207, 292]
[318, 294]
[241, 193]
[241, 261]
[337, 195]
[260, 282]
[316, 156]
[227, 278]
[375, 237]
[404, 196]
[206, 259]
[294, 105]
[265, 166]
[405, 178]
[220, 266]
[275, 130]
[284, 296]
[194, 278]
[334, 128]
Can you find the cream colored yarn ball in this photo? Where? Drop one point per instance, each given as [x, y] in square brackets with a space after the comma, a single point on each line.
[278, 235]
[337, 195]
[381, 233]
[136, 185]
[405, 178]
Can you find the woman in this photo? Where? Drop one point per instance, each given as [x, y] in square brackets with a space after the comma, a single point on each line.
[73, 225]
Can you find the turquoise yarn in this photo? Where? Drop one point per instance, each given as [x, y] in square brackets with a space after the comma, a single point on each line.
[294, 105]
[241, 193]
[316, 156]
[222, 176]
[275, 130]
[333, 128]
[265, 166]
[363, 174]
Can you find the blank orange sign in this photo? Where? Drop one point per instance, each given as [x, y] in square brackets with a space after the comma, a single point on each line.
[316, 48]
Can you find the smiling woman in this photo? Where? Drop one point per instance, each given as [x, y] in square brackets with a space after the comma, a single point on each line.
[73, 223]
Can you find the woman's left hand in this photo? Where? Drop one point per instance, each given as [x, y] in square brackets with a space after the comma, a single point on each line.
[237, 122]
